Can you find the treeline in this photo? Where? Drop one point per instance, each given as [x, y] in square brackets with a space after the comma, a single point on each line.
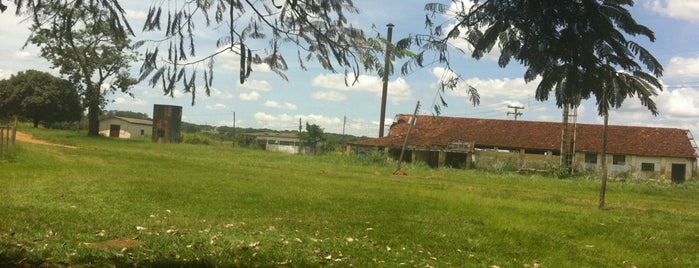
[205, 134]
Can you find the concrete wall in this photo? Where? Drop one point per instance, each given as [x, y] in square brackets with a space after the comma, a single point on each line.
[126, 130]
[662, 166]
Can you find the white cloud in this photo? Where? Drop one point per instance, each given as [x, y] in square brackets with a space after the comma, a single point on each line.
[250, 96]
[282, 106]
[328, 96]
[489, 89]
[158, 93]
[257, 85]
[677, 9]
[216, 107]
[679, 67]
[137, 15]
[215, 93]
[264, 118]
[682, 102]
[398, 90]
[230, 62]
[130, 101]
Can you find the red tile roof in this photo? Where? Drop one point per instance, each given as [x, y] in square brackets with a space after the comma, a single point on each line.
[628, 140]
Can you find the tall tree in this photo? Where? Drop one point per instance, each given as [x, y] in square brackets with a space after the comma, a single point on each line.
[578, 48]
[615, 89]
[39, 97]
[81, 42]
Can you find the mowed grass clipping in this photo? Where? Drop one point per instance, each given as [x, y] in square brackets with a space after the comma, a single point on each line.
[116, 202]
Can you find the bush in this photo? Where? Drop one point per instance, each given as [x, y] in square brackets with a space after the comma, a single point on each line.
[503, 166]
[196, 139]
[373, 157]
[556, 170]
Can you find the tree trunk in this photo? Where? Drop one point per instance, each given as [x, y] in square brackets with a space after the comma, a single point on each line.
[603, 188]
[93, 110]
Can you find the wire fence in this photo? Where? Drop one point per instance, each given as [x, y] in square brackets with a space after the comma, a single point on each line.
[7, 138]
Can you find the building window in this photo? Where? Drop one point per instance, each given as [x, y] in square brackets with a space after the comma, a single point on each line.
[618, 159]
[143, 132]
[590, 158]
[647, 167]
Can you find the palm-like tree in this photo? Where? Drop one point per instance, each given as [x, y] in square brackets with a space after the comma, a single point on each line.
[579, 49]
[617, 87]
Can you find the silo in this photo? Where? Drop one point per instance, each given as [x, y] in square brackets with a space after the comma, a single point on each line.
[167, 122]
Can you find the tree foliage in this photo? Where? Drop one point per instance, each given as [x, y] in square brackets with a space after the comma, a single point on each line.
[89, 45]
[577, 48]
[127, 114]
[313, 135]
[273, 33]
[40, 98]
[260, 32]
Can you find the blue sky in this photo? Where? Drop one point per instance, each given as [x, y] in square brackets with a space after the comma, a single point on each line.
[319, 97]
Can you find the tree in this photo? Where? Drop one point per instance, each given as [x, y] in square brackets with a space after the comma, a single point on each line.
[39, 97]
[312, 136]
[82, 44]
[128, 114]
[260, 32]
[578, 48]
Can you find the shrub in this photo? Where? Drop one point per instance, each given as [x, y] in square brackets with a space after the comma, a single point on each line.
[196, 139]
[556, 170]
[503, 166]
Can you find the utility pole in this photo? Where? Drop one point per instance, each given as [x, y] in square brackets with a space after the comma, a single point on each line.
[516, 112]
[411, 123]
[300, 126]
[233, 128]
[344, 123]
[384, 90]
[568, 137]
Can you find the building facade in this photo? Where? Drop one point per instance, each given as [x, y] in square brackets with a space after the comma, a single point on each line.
[285, 142]
[125, 128]
[641, 152]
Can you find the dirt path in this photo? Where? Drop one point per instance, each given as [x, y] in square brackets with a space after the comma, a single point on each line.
[23, 137]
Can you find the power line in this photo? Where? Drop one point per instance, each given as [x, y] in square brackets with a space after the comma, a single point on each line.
[516, 112]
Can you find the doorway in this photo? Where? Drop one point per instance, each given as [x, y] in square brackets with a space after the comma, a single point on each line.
[114, 131]
[678, 172]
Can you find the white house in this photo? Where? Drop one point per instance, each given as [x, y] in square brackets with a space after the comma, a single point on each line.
[286, 142]
[125, 128]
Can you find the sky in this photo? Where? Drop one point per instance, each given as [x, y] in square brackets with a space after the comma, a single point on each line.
[317, 96]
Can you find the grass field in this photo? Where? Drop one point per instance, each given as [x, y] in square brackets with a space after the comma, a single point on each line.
[134, 203]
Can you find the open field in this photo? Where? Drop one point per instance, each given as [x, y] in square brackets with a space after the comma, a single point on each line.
[133, 203]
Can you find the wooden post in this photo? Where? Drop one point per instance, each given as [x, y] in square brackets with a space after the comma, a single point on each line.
[441, 159]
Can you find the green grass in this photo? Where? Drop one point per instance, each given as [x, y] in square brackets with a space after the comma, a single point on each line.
[196, 205]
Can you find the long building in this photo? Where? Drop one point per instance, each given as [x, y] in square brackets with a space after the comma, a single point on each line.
[640, 152]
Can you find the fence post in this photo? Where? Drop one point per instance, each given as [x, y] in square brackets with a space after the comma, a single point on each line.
[2, 140]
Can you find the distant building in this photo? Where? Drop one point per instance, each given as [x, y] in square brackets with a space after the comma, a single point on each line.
[641, 152]
[125, 128]
[286, 142]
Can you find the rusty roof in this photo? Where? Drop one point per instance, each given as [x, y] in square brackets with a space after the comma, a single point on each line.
[438, 131]
[134, 120]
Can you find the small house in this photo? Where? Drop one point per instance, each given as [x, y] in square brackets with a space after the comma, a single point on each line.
[125, 128]
[286, 142]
